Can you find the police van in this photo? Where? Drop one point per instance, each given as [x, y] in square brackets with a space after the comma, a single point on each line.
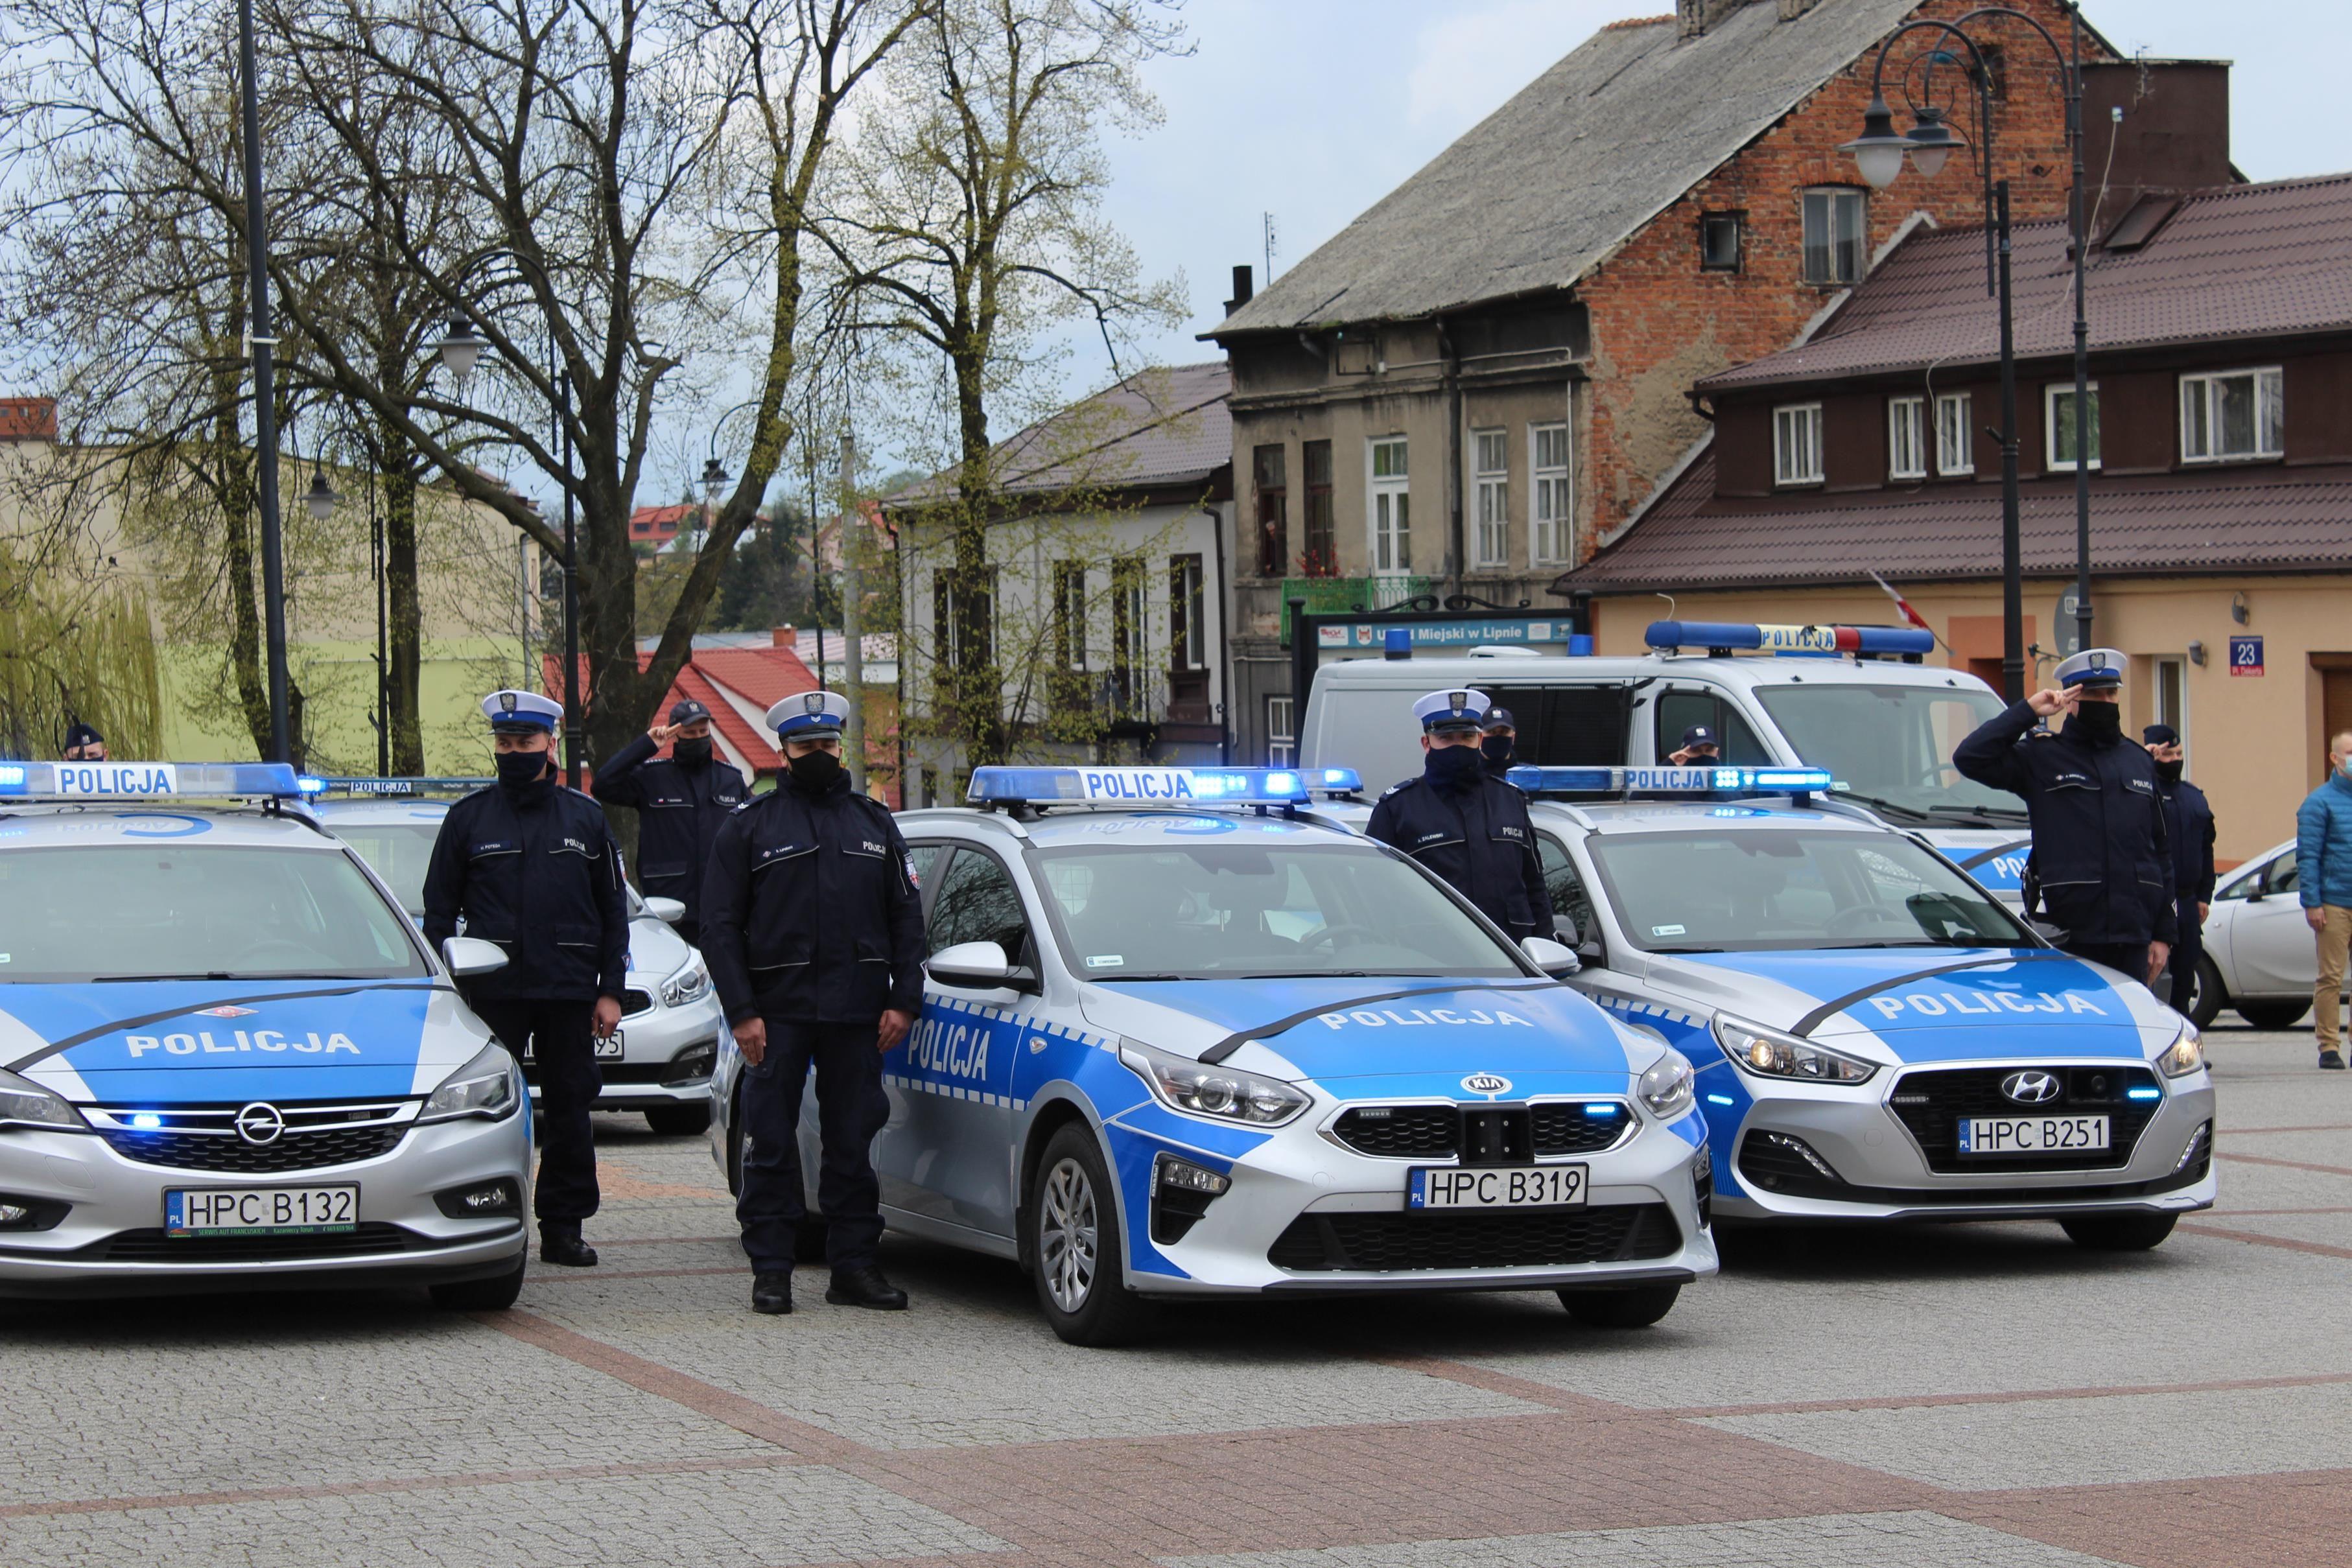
[227, 1059]
[1852, 699]
[1182, 1036]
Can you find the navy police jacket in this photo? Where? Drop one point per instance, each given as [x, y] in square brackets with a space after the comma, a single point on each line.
[1479, 841]
[534, 870]
[678, 812]
[2100, 851]
[809, 909]
[2188, 823]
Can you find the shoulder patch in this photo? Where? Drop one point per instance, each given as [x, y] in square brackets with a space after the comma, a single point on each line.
[1400, 784]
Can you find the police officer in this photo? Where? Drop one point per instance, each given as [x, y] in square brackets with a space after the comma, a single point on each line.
[1699, 749]
[1498, 742]
[1468, 827]
[813, 932]
[2188, 823]
[83, 744]
[2101, 858]
[532, 866]
[680, 801]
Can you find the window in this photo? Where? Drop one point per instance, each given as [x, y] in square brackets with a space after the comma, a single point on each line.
[1835, 232]
[1069, 615]
[924, 859]
[1738, 744]
[1321, 555]
[1391, 507]
[977, 903]
[1718, 242]
[1187, 620]
[1130, 633]
[1572, 906]
[1281, 738]
[1273, 519]
[1547, 545]
[1491, 453]
[2058, 410]
[2233, 414]
[2172, 696]
[953, 609]
[1907, 437]
[1955, 445]
[1796, 445]
[930, 786]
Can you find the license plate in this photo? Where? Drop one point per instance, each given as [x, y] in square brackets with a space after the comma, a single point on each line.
[1509, 1186]
[612, 1050]
[2032, 1135]
[259, 1210]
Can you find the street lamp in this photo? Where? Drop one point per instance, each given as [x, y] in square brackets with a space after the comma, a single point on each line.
[321, 498]
[461, 348]
[714, 475]
[264, 340]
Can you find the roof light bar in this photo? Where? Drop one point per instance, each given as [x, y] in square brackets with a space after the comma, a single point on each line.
[1670, 780]
[1154, 786]
[369, 787]
[1669, 636]
[146, 780]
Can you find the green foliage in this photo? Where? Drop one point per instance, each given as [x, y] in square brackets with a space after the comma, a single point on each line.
[74, 652]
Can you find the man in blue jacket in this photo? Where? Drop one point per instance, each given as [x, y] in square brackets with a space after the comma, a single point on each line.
[2323, 859]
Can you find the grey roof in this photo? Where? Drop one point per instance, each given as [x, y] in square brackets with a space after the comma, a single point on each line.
[1158, 428]
[1548, 184]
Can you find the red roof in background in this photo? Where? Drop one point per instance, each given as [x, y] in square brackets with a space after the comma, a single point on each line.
[29, 418]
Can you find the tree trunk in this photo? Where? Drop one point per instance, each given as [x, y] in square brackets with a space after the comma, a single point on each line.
[232, 464]
[404, 619]
[976, 690]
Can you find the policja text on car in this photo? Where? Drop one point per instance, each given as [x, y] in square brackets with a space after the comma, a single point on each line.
[1462, 823]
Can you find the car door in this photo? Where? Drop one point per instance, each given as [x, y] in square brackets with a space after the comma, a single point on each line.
[2271, 947]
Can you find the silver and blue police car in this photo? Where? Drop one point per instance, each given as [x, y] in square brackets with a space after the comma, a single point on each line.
[1182, 1037]
[659, 1061]
[1877, 1036]
[227, 1061]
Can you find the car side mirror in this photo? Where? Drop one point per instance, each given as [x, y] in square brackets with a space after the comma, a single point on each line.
[972, 966]
[1553, 958]
[469, 956]
[668, 910]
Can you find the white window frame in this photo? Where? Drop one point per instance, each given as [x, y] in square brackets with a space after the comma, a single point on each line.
[1551, 497]
[1833, 196]
[1490, 513]
[1388, 508]
[2051, 394]
[2201, 392]
[2178, 669]
[1803, 465]
[1281, 738]
[1906, 427]
[1956, 447]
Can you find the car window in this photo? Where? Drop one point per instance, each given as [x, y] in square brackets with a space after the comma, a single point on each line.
[1565, 888]
[397, 851]
[2244, 882]
[1677, 711]
[922, 861]
[2281, 876]
[977, 902]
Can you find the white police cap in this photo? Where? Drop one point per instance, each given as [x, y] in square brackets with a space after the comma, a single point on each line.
[520, 711]
[2096, 667]
[819, 712]
[1457, 709]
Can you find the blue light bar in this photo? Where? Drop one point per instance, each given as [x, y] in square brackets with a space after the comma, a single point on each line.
[1669, 780]
[1335, 780]
[1669, 636]
[146, 780]
[1148, 786]
[361, 786]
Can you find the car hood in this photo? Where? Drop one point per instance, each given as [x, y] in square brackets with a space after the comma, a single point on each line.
[656, 950]
[1994, 856]
[203, 1042]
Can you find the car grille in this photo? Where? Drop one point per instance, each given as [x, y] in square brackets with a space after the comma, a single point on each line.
[154, 1247]
[1571, 1130]
[635, 1002]
[1492, 1133]
[293, 1151]
[1400, 1131]
[1527, 1239]
[1931, 1104]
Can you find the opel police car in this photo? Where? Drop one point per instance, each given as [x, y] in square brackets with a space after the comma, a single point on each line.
[227, 1061]
[1875, 1037]
[1180, 1037]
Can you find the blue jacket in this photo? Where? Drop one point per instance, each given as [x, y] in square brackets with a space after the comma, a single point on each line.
[2322, 844]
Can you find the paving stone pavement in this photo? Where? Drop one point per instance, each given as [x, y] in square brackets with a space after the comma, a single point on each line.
[1955, 1395]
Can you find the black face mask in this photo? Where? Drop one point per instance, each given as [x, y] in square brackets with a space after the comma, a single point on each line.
[815, 771]
[2170, 771]
[1496, 748]
[2101, 723]
[691, 753]
[1452, 769]
[518, 768]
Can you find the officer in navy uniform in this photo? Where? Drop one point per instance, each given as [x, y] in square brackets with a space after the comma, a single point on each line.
[1699, 749]
[813, 932]
[1468, 827]
[680, 801]
[1498, 742]
[532, 866]
[2102, 859]
[2188, 823]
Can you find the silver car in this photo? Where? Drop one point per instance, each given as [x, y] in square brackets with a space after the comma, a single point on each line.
[2260, 957]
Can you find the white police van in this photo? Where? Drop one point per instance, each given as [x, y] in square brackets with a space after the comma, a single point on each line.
[227, 1061]
[1846, 698]
[1181, 1037]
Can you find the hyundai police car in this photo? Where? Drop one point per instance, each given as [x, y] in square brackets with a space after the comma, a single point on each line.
[658, 1061]
[1876, 1036]
[226, 1060]
[1180, 1037]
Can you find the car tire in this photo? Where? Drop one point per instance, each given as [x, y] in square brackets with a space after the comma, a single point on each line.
[2205, 1003]
[1636, 1307]
[495, 1294]
[2274, 1015]
[681, 1121]
[1072, 1239]
[2118, 1232]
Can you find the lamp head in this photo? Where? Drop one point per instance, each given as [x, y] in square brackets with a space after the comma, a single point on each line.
[321, 498]
[461, 348]
[1878, 151]
[714, 474]
[1933, 142]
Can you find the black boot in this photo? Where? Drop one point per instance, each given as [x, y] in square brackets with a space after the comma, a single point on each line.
[864, 1286]
[561, 1244]
[772, 1293]
[2331, 1059]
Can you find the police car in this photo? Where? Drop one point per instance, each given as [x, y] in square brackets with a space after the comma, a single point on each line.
[227, 1061]
[659, 1061]
[1180, 1037]
[1877, 1038]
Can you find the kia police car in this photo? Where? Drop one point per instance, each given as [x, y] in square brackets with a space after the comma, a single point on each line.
[1876, 1036]
[1179, 1038]
[226, 1060]
[658, 1061]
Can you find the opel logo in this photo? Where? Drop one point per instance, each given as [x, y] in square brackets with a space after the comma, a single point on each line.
[260, 1123]
[1487, 1084]
[2029, 1087]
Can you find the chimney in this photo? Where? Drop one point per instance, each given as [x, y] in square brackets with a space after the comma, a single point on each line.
[2156, 127]
[1242, 291]
[1694, 17]
[782, 637]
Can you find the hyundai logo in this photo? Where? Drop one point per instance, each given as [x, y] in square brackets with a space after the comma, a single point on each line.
[1487, 1084]
[260, 1123]
[2031, 1087]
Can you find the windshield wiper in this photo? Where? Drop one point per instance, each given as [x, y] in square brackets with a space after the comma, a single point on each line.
[1924, 942]
[1099, 979]
[223, 974]
[1883, 804]
[1686, 949]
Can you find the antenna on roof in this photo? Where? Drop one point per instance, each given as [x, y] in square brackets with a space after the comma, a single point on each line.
[1267, 225]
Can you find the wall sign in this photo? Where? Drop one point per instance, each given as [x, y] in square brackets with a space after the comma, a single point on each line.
[1449, 633]
[2245, 655]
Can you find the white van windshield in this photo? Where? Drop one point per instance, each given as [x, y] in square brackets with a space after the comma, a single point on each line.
[1890, 747]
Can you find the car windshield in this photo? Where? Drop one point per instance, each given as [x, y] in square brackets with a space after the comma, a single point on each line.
[90, 912]
[1890, 747]
[1132, 912]
[1763, 890]
[399, 852]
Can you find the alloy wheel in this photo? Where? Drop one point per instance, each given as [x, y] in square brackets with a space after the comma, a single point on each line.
[1068, 1244]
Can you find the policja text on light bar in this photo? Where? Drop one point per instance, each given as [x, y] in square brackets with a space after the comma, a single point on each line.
[1153, 785]
[145, 780]
[1669, 780]
[1669, 636]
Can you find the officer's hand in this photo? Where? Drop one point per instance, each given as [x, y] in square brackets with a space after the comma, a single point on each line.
[2204, 911]
[894, 1025]
[2050, 703]
[2157, 952]
[752, 1039]
[2315, 919]
[608, 1017]
[659, 733]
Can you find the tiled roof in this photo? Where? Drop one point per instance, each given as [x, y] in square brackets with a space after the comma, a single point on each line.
[1157, 428]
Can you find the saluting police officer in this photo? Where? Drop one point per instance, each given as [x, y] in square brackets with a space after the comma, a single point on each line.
[2188, 823]
[2101, 858]
[813, 932]
[1468, 827]
[532, 866]
[680, 799]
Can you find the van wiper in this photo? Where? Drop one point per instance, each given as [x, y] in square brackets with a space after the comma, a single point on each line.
[1686, 949]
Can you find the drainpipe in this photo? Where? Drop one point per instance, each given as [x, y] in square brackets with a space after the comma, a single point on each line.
[1224, 642]
[1453, 375]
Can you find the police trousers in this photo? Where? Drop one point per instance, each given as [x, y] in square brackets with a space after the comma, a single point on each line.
[850, 1110]
[2130, 958]
[2185, 953]
[563, 1064]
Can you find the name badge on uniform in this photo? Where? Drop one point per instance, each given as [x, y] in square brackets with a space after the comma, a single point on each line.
[2070, 778]
[2142, 785]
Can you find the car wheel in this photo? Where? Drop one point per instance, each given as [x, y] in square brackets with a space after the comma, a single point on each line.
[2274, 1015]
[1075, 1248]
[680, 1121]
[2118, 1232]
[2205, 1002]
[1634, 1308]
[495, 1294]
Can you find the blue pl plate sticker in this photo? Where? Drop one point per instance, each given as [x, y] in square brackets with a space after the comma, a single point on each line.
[1417, 1193]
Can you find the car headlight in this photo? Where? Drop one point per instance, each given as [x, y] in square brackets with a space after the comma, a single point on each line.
[690, 980]
[2184, 1055]
[25, 1103]
[1769, 1053]
[485, 1086]
[1225, 1092]
[1666, 1088]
